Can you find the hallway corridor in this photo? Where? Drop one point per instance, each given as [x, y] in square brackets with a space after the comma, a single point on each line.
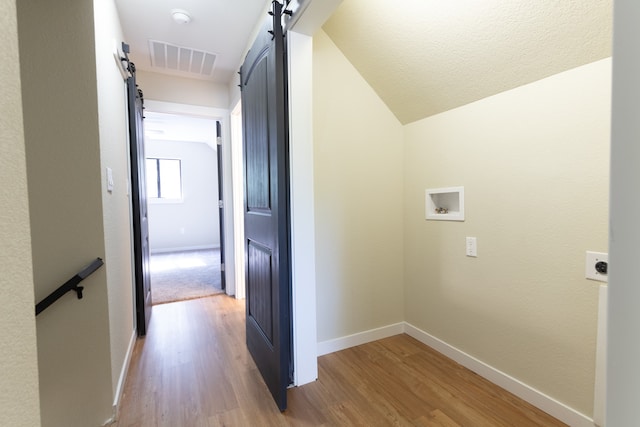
[193, 369]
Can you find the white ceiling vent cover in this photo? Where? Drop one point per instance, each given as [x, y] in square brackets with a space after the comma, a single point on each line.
[172, 58]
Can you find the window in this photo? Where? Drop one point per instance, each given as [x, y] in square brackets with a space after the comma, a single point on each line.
[164, 179]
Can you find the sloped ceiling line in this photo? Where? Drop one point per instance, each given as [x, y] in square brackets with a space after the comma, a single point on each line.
[429, 56]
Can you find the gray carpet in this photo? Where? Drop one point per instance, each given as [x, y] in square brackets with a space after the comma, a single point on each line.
[178, 276]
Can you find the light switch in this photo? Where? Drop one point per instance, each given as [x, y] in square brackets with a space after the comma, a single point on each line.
[472, 247]
[109, 180]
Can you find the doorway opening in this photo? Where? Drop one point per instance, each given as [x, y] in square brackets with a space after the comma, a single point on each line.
[184, 213]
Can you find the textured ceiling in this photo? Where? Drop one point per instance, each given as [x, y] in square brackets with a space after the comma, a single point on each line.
[423, 57]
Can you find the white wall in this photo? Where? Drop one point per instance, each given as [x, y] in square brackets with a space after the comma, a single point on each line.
[65, 205]
[194, 222]
[623, 388]
[161, 87]
[116, 205]
[19, 399]
[358, 200]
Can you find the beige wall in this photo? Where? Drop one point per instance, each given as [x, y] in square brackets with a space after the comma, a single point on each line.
[358, 200]
[534, 163]
[112, 108]
[58, 66]
[19, 399]
[160, 87]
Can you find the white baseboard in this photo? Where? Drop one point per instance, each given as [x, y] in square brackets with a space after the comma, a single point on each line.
[330, 346]
[183, 249]
[123, 374]
[527, 393]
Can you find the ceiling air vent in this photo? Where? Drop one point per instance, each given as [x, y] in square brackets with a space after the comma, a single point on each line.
[169, 57]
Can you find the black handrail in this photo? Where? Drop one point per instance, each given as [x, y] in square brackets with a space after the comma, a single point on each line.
[69, 285]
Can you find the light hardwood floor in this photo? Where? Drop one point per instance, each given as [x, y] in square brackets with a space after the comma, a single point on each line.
[193, 369]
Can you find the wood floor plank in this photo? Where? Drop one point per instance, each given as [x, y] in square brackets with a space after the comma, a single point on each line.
[193, 370]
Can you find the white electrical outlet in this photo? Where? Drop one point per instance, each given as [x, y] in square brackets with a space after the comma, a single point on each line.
[472, 247]
[597, 266]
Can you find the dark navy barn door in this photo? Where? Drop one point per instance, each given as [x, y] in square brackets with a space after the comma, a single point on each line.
[139, 201]
[266, 213]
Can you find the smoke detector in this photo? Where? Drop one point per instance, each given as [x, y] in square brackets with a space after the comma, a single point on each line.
[180, 16]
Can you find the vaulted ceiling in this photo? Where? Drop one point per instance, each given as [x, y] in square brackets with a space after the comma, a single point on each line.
[422, 57]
